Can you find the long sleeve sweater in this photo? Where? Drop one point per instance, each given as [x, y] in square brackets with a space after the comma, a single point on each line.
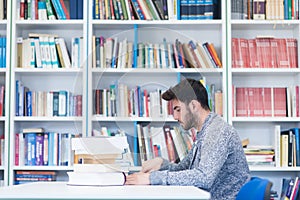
[216, 162]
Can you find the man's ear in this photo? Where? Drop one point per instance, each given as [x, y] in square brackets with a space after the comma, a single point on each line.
[194, 105]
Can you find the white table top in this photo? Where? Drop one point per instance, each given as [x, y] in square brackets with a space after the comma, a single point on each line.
[60, 190]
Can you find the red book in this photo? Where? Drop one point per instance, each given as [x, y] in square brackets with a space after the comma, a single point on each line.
[291, 45]
[22, 9]
[62, 3]
[267, 102]
[258, 102]
[241, 102]
[263, 49]
[97, 102]
[253, 61]
[79, 105]
[282, 56]
[112, 9]
[251, 101]
[244, 52]
[170, 144]
[233, 101]
[274, 46]
[234, 52]
[279, 100]
[17, 149]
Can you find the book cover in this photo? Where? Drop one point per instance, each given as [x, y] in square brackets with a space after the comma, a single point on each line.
[73, 9]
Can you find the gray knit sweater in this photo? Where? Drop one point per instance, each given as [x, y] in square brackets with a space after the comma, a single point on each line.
[218, 164]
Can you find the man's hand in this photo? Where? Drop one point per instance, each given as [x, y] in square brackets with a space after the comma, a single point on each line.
[139, 178]
[152, 165]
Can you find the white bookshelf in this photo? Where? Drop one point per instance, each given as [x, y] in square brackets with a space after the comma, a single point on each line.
[5, 31]
[41, 79]
[260, 130]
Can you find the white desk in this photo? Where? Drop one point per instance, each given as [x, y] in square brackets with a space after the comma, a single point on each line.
[60, 190]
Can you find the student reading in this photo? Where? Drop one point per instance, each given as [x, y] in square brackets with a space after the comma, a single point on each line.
[216, 162]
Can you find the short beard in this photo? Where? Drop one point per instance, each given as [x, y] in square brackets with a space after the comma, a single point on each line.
[189, 120]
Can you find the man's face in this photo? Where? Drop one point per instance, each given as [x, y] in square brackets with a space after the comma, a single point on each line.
[183, 114]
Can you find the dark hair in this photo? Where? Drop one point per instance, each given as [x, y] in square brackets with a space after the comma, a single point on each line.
[186, 91]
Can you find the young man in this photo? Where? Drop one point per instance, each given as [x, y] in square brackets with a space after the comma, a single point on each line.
[216, 162]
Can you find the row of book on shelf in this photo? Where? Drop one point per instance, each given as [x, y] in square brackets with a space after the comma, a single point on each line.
[46, 103]
[49, 9]
[284, 152]
[116, 53]
[122, 101]
[290, 188]
[155, 10]
[264, 52]
[48, 51]
[147, 142]
[37, 147]
[265, 9]
[29, 176]
[266, 101]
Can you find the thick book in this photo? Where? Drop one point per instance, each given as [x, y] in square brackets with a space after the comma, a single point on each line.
[96, 178]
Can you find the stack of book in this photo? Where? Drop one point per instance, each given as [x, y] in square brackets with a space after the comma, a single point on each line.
[260, 155]
[100, 161]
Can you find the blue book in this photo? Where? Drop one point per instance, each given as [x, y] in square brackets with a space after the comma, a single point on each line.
[63, 103]
[73, 9]
[55, 103]
[28, 103]
[136, 155]
[1, 52]
[17, 98]
[79, 9]
[58, 9]
[4, 52]
[30, 145]
[297, 140]
[138, 9]
[50, 148]
[166, 52]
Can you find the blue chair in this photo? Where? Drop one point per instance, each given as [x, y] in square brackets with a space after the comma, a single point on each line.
[255, 189]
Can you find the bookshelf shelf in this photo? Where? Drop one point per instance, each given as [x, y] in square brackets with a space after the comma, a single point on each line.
[162, 22]
[132, 119]
[273, 169]
[265, 71]
[154, 71]
[46, 168]
[264, 22]
[46, 119]
[265, 119]
[50, 22]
